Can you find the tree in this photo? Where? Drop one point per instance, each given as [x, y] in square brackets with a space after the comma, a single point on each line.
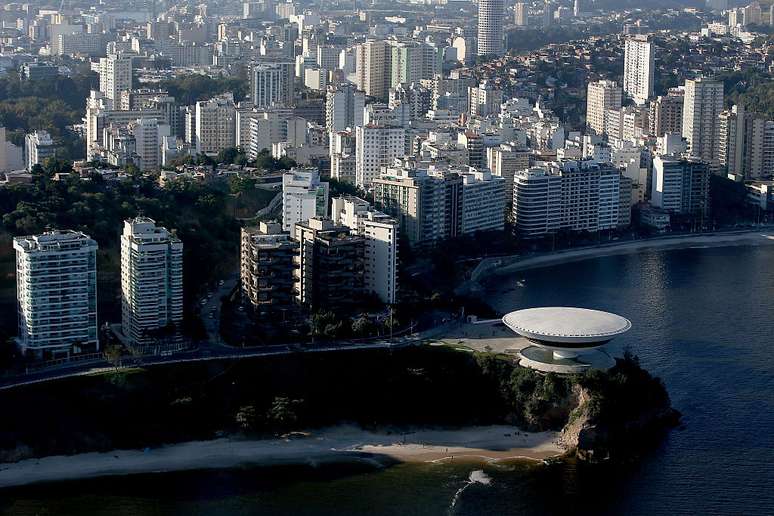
[246, 417]
[283, 413]
[113, 354]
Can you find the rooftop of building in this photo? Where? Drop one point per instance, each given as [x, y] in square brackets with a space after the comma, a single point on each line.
[566, 324]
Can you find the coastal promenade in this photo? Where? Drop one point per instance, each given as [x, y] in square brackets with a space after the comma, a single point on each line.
[213, 352]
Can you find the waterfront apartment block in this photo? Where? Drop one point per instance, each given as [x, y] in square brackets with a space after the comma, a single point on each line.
[267, 258]
[329, 269]
[151, 282]
[572, 195]
[681, 186]
[56, 280]
[381, 244]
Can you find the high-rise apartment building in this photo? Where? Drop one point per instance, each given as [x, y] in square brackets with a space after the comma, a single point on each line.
[490, 27]
[381, 244]
[303, 196]
[267, 263]
[601, 96]
[376, 146]
[507, 159]
[521, 14]
[639, 67]
[151, 282]
[412, 61]
[38, 146]
[483, 201]
[115, 75]
[666, 114]
[484, 99]
[373, 68]
[572, 195]
[427, 202]
[215, 124]
[702, 105]
[330, 266]
[272, 84]
[56, 292]
[681, 186]
[537, 202]
[147, 143]
[344, 105]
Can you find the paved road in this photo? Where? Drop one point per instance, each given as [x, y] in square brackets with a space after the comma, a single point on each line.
[219, 352]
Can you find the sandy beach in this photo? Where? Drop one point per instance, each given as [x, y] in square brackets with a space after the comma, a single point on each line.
[334, 444]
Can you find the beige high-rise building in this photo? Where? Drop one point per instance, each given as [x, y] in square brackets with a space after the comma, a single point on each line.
[702, 105]
[373, 68]
[215, 124]
[602, 96]
[666, 114]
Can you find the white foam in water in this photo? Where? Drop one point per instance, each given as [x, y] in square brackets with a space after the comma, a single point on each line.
[479, 477]
[476, 477]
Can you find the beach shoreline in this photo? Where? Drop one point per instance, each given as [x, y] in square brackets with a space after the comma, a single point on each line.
[492, 267]
[339, 444]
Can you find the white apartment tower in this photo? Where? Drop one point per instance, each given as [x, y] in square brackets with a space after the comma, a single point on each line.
[56, 292]
[601, 97]
[151, 280]
[639, 66]
[343, 108]
[376, 147]
[115, 75]
[147, 142]
[272, 84]
[304, 196]
[490, 27]
[702, 105]
[381, 244]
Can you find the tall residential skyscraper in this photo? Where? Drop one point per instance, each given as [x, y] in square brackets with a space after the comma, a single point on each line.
[490, 27]
[115, 75]
[601, 96]
[681, 186]
[271, 83]
[215, 124]
[303, 196]
[639, 66]
[376, 147]
[521, 14]
[151, 281]
[666, 114]
[343, 108]
[56, 293]
[702, 105]
[373, 68]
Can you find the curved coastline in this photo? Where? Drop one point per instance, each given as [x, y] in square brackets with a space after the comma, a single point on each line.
[515, 263]
[339, 444]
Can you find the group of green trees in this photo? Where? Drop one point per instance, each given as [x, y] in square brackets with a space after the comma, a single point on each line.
[199, 212]
[191, 88]
[408, 387]
[51, 105]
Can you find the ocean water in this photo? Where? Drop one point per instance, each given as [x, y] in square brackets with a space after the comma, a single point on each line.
[703, 320]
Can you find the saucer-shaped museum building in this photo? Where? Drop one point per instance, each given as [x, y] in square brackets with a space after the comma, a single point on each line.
[566, 340]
